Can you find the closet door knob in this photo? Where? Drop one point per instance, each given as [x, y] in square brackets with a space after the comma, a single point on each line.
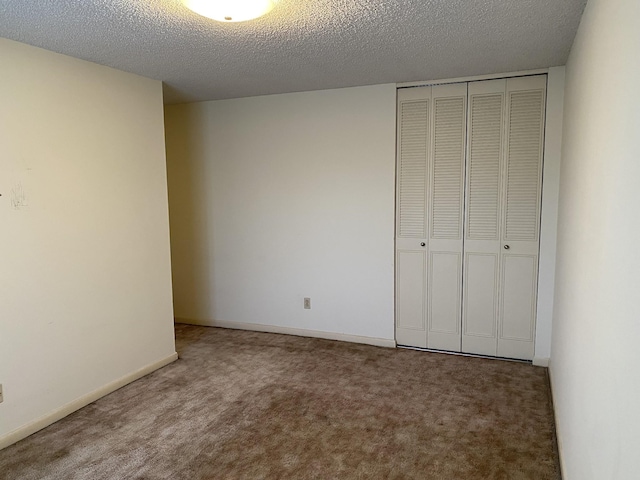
[507, 247]
[422, 244]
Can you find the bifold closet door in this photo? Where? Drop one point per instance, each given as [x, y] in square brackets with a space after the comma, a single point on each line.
[524, 143]
[446, 217]
[482, 219]
[413, 149]
[430, 215]
[504, 168]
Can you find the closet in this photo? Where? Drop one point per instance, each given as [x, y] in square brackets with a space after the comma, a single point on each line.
[469, 169]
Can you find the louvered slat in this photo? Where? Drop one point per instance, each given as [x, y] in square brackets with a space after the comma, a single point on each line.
[524, 157]
[412, 172]
[484, 166]
[448, 168]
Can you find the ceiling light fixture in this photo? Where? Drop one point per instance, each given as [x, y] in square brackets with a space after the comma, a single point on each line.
[230, 10]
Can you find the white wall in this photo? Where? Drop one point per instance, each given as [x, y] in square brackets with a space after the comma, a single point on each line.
[596, 331]
[85, 287]
[277, 198]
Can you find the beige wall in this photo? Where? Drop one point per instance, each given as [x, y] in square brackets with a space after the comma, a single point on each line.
[85, 289]
[282, 197]
[596, 328]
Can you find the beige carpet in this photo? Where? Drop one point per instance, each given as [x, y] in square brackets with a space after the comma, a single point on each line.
[244, 405]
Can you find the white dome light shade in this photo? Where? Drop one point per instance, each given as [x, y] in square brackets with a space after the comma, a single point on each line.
[230, 10]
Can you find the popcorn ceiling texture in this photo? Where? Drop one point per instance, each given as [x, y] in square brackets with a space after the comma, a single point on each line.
[302, 44]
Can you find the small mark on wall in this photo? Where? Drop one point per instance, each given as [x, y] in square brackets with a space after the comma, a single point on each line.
[18, 196]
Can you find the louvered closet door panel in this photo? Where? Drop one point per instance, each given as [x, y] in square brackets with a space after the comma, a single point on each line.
[446, 205]
[412, 168]
[412, 215]
[485, 154]
[447, 177]
[522, 174]
[485, 147]
[525, 109]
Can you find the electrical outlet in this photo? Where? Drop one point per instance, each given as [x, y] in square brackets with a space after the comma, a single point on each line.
[307, 303]
[1, 398]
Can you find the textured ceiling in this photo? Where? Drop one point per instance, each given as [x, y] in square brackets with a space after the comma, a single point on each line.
[301, 44]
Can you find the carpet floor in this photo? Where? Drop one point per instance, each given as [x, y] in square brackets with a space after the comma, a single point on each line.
[246, 405]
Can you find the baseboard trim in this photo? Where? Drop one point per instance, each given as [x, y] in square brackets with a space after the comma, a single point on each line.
[541, 361]
[299, 332]
[555, 421]
[67, 409]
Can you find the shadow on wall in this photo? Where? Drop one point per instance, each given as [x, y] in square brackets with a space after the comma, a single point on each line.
[190, 216]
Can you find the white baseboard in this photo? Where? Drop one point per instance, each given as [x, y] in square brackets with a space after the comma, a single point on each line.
[541, 361]
[555, 417]
[59, 413]
[299, 332]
